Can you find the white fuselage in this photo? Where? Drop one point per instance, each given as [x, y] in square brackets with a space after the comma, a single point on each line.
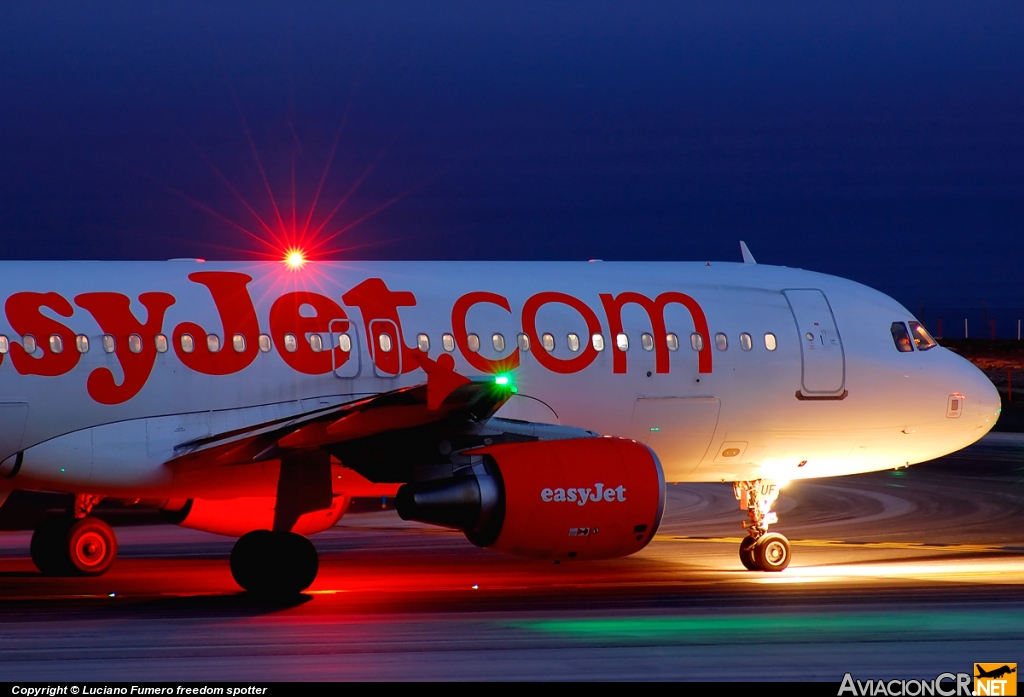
[833, 397]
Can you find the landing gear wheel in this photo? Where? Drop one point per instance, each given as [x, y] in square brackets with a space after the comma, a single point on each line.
[69, 547]
[747, 553]
[91, 547]
[274, 563]
[771, 552]
[48, 547]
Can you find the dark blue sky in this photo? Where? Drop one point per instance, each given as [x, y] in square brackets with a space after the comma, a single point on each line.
[882, 142]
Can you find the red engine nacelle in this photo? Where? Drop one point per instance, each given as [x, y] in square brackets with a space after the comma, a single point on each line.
[589, 498]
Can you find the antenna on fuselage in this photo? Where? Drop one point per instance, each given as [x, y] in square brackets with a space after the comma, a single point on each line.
[748, 258]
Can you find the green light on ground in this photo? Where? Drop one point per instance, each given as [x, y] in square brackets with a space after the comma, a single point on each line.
[824, 626]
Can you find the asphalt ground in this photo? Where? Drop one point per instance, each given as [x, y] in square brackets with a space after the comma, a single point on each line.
[896, 574]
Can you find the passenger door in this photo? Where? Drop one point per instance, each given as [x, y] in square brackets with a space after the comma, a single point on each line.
[823, 374]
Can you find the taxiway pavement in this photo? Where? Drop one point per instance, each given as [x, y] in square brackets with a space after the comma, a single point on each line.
[896, 574]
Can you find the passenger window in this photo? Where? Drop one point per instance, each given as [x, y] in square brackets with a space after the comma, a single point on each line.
[597, 340]
[56, 343]
[622, 342]
[647, 342]
[473, 342]
[746, 343]
[135, 343]
[290, 344]
[498, 342]
[922, 339]
[265, 343]
[384, 341]
[573, 341]
[423, 342]
[769, 341]
[448, 342]
[188, 344]
[5, 344]
[81, 343]
[316, 343]
[548, 342]
[28, 342]
[160, 341]
[901, 337]
[109, 345]
[213, 343]
[524, 342]
[697, 341]
[672, 341]
[721, 341]
[345, 343]
[238, 342]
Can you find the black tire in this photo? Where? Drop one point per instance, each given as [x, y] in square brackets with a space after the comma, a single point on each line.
[274, 563]
[299, 561]
[90, 547]
[772, 552]
[248, 558]
[747, 553]
[49, 546]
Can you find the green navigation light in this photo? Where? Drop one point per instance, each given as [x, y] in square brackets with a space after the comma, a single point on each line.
[501, 380]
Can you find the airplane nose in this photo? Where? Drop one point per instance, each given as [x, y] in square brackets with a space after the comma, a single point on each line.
[982, 401]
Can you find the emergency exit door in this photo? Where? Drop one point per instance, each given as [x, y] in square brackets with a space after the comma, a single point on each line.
[385, 346]
[345, 354]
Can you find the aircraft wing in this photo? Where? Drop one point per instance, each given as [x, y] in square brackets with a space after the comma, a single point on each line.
[445, 398]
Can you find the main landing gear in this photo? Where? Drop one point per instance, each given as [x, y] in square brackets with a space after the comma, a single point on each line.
[74, 545]
[760, 549]
[274, 563]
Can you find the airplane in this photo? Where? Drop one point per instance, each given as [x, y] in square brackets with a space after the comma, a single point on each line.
[995, 673]
[539, 407]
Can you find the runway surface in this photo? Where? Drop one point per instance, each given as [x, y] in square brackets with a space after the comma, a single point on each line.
[898, 574]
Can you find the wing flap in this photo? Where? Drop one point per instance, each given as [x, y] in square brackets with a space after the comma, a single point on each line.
[445, 396]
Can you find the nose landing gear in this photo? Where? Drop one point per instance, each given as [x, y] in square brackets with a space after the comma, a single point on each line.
[760, 549]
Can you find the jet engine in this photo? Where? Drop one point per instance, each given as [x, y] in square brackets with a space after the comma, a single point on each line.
[587, 498]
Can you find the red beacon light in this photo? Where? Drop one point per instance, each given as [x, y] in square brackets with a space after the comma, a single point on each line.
[294, 259]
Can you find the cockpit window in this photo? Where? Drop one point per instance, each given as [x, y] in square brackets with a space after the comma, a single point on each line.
[922, 339]
[901, 337]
